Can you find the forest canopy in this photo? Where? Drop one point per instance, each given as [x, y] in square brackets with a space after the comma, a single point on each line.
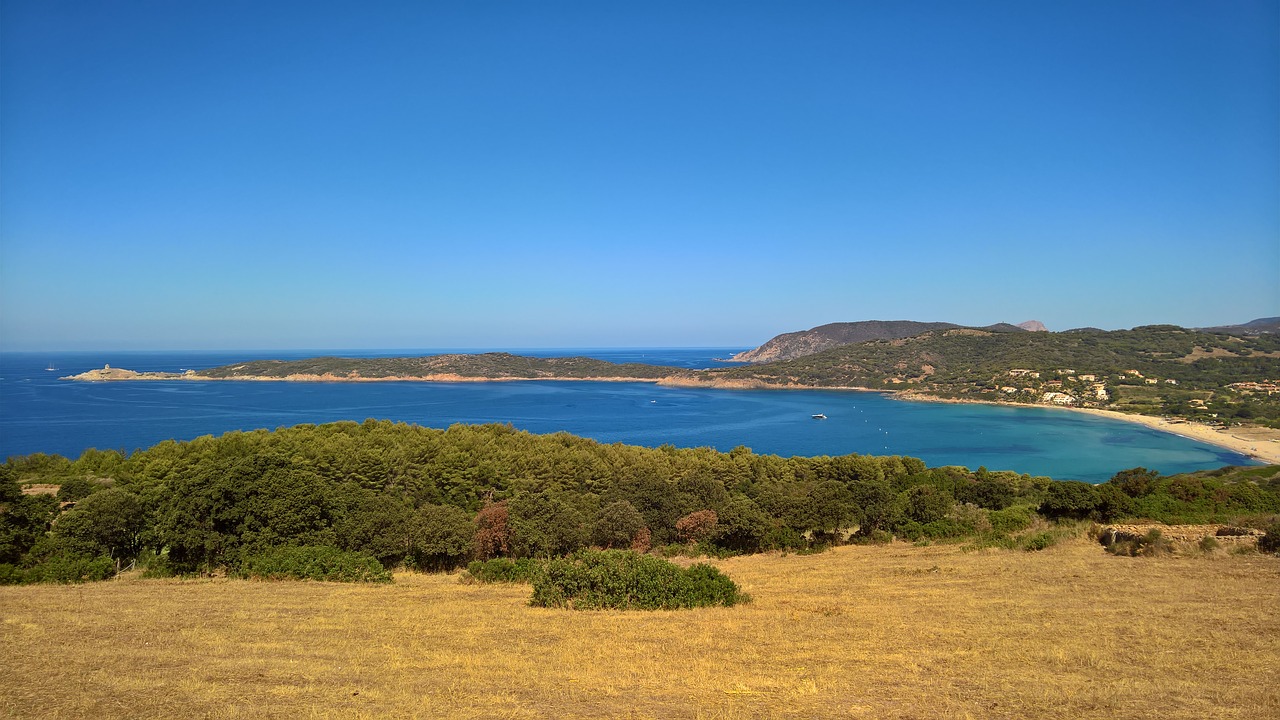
[431, 499]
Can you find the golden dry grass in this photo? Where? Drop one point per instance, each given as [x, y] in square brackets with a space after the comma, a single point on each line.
[875, 632]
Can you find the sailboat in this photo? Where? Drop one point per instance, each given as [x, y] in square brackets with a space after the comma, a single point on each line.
[51, 368]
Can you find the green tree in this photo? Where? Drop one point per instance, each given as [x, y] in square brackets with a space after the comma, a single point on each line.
[1070, 499]
[377, 524]
[926, 503]
[110, 522]
[616, 525]
[24, 521]
[741, 526]
[443, 537]
[879, 507]
[1135, 482]
[545, 524]
[74, 489]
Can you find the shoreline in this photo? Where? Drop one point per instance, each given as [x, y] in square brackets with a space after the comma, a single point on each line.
[1264, 446]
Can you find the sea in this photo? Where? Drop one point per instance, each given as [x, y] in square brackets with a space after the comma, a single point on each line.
[40, 413]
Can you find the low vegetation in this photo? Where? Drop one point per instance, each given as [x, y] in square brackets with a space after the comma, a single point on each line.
[626, 580]
[326, 564]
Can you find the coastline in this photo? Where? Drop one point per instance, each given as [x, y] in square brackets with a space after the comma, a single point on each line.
[1263, 444]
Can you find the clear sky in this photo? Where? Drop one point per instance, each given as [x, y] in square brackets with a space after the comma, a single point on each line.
[234, 175]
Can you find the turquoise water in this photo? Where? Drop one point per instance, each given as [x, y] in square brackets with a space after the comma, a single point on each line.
[38, 413]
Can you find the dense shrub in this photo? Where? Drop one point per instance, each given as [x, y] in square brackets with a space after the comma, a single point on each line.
[1135, 482]
[324, 563]
[936, 530]
[66, 568]
[1270, 543]
[1032, 542]
[501, 570]
[75, 489]
[1070, 499]
[624, 580]
[11, 574]
[1010, 520]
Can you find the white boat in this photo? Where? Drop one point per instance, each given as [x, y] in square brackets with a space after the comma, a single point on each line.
[51, 368]
[819, 416]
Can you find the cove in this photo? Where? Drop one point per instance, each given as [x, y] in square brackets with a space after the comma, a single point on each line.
[39, 413]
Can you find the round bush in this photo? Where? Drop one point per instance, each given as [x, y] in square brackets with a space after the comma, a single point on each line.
[315, 563]
[625, 580]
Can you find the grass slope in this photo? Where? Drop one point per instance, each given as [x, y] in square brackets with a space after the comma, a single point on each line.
[877, 632]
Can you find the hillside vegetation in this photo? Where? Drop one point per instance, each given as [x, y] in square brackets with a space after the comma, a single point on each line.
[1160, 369]
[494, 366]
[789, 346]
[353, 498]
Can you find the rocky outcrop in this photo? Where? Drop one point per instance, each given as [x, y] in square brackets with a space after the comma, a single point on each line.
[1033, 326]
[110, 373]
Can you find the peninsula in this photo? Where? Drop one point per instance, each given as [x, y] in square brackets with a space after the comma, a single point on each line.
[1215, 386]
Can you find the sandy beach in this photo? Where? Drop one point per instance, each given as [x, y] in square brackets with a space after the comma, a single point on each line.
[1260, 443]
[1257, 442]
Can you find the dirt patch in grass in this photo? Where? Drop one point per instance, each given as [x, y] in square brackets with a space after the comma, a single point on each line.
[863, 631]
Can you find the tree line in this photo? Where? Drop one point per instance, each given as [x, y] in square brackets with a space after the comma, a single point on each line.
[433, 499]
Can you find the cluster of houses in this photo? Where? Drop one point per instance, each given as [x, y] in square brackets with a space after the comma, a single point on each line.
[1269, 387]
[1082, 385]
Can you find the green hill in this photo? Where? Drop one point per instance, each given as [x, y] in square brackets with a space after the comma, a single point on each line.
[1151, 369]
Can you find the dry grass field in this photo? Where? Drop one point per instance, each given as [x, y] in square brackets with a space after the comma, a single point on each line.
[877, 632]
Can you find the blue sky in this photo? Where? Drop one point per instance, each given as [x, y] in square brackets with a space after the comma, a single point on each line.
[238, 175]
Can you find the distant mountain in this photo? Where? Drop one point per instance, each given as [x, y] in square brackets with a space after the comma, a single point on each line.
[1253, 327]
[1033, 326]
[789, 346]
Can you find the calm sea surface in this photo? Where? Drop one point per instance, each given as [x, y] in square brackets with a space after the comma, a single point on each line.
[39, 413]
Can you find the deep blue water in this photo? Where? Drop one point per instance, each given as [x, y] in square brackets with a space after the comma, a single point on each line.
[39, 413]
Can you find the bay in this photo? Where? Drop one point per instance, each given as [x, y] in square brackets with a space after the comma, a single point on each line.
[40, 413]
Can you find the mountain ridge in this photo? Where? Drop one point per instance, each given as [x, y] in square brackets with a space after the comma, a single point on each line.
[792, 345]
